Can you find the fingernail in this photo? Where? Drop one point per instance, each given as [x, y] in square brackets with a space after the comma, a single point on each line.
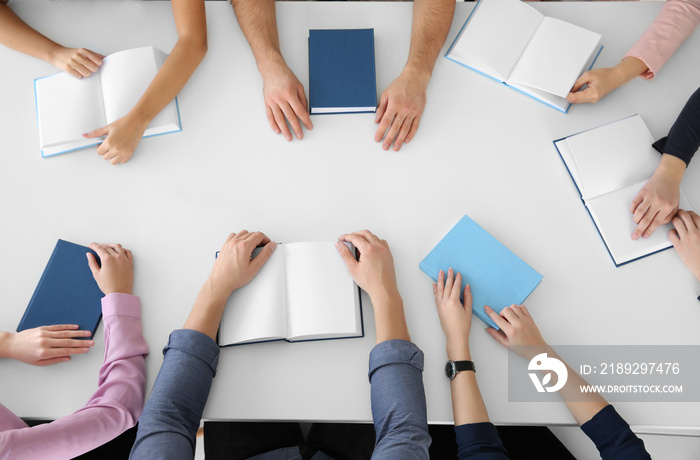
[487, 308]
[397, 147]
[273, 245]
[469, 288]
[84, 134]
[450, 271]
[646, 235]
[288, 137]
[337, 245]
[386, 146]
[298, 135]
[634, 236]
[377, 139]
[91, 342]
[85, 350]
[277, 131]
[65, 360]
[408, 139]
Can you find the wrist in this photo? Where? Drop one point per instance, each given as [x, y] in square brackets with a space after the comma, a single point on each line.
[386, 298]
[5, 344]
[419, 73]
[629, 68]
[270, 62]
[458, 352]
[51, 53]
[672, 168]
[139, 117]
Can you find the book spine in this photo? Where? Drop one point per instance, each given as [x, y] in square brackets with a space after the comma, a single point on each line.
[21, 327]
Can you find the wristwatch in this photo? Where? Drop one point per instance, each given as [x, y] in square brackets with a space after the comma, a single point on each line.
[452, 368]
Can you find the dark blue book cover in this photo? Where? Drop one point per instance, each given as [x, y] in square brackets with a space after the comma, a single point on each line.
[67, 293]
[342, 77]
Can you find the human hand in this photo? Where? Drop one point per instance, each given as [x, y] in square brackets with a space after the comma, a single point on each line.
[285, 98]
[374, 271]
[657, 202]
[45, 345]
[517, 328]
[235, 266]
[686, 239]
[400, 108]
[116, 273]
[602, 81]
[123, 135]
[78, 62]
[455, 317]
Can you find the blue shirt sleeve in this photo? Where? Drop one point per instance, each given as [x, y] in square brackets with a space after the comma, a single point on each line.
[479, 441]
[684, 138]
[398, 401]
[613, 436]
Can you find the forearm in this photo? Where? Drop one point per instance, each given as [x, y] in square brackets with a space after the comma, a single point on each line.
[206, 312]
[389, 316]
[258, 22]
[684, 137]
[171, 78]
[431, 23]
[16, 34]
[627, 69]
[467, 404]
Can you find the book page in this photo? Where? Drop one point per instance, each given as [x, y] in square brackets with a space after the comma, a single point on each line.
[566, 154]
[256, 312]
[555, 57]
[322, 298]
[611, 213]
[614, 156]
[495, 36]
[67, 107]
[125, 77]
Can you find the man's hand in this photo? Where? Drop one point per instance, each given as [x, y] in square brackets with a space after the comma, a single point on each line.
[455, 317]
[235, 266]
[78, 62]
[284, 98]
[517, 328]
[400, 109]
[686, 239]
[374, 271]
[116, 273]
[44, 345]
[657, 202]
[123, 135]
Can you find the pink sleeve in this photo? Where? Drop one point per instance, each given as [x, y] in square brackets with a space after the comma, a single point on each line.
[115, 406]
[675, 23]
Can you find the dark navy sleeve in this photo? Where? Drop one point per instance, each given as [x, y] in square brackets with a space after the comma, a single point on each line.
[684, 138]
[613, 436]
[479, 441]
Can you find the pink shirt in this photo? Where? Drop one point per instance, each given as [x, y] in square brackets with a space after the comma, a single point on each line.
[115, 406]
[675, 23]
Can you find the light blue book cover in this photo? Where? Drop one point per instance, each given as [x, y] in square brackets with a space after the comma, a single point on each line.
[498, 277]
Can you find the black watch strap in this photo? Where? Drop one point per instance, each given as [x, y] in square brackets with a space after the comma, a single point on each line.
[452, 368]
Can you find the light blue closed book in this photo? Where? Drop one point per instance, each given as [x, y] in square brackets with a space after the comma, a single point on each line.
[498, 278]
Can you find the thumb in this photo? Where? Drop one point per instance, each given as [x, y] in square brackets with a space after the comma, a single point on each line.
[582, 80]
[262, 257]
[499, 336]
[92, 263]
[347, 256]
[97, 133]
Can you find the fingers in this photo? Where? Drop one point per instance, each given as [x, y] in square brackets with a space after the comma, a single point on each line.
[500, 336]
[381, 108]
[495, 317]
[96, 58]
[414, 128]
[61, 327]
[68, 333]
[680, 227]
[393, 130]
[644, 220]
[673, 237]
[405, 127]
[97, 133]
[346, 255]
[687, 220]
[271, 119]
[468, 297]
[449, 281]
[99, 249]
[281, 123]
[636, 202]
[264, 255]
[302, 113]
[369, 236]
[384, 125]
[290, 113]
[582, 80]
[357, 240]
[456, 287]
[256, 239]
[440, 288]
[50, 361]
[510, 314]
[695, 217]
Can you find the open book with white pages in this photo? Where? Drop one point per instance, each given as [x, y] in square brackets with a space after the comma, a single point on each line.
[609, 165]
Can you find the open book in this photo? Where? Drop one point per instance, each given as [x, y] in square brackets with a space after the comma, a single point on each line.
[67, 107]
[609, 165]
[303, 292]
[517, 45]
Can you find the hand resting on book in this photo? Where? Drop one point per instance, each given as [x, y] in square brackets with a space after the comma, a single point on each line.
[600, 82]
[657, 202]
[686, 239]
[284, 98]
[123, 136]
[45, 345]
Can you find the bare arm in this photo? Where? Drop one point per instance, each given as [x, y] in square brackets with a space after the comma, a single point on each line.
[124, 134]
[16, 34]
[283, 93]
[401, 104]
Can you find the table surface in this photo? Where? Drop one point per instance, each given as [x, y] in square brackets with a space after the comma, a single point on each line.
[481, 150]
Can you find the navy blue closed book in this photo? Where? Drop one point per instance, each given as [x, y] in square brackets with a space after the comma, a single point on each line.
[342, 77]
[67, 293]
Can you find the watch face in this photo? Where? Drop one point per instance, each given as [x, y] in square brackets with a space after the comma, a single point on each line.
[449, 369]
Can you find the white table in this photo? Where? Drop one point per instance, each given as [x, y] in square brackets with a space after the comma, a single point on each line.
[481, 149]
